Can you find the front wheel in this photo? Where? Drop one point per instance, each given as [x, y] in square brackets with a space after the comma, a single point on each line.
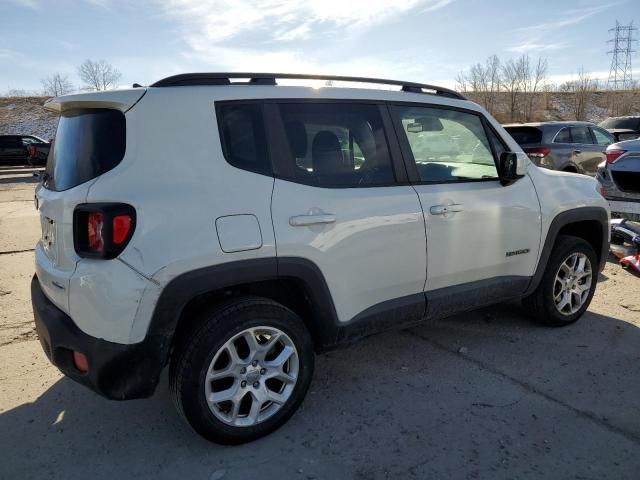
[243, 372]
[567, 285]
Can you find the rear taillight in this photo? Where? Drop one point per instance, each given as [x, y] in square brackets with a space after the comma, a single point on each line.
[103, 230]
[31, 150]
[537, 152]
[613, 154]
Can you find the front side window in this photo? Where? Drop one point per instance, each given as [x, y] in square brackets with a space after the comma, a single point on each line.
[447, 145]
[603, 137]
[581, 135]
[244, 141]
[336, 145]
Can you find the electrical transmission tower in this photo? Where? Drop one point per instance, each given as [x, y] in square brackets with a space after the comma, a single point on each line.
[620, 74]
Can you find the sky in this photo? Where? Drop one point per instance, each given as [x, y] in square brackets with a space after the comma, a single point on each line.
[415, 40]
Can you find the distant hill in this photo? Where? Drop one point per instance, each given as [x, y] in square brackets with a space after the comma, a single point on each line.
[26, 116]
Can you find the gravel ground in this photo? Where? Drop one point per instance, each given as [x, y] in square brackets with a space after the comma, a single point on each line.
[484, 395]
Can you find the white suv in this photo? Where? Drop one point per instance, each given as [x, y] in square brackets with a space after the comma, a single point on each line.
[231, 228]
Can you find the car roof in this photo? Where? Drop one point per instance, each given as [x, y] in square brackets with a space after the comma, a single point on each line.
[555, 123]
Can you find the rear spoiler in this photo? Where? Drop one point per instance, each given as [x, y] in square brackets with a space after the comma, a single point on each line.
[121, 100]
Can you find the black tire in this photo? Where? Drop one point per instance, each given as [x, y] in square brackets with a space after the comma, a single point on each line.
[540, 303]
[193, 355]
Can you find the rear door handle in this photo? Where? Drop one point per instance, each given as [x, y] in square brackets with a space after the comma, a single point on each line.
[446, 209]
[313, 219]
[577, 151]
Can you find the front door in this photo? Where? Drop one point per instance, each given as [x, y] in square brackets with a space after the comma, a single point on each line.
[482, 237]
[336, 203]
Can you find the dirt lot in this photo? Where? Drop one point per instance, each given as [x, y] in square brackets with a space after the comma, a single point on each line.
[485, 395]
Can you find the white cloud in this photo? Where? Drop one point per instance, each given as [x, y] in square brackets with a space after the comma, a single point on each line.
[567, 18]
[531, 45]
[32, 4]
[209, 22]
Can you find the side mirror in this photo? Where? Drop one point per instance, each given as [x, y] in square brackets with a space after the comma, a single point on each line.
[511, 167]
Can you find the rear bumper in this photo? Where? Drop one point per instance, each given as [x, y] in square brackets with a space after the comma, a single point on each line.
[116, 371]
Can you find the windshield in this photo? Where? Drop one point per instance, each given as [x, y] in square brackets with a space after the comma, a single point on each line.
[627, 123]
[88, 143]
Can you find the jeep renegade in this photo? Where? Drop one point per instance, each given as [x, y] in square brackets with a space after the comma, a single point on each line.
[230, 228]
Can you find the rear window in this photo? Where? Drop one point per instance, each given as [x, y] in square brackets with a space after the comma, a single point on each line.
[622, 123]
[525, 135]
[244, 141]
[88, 143]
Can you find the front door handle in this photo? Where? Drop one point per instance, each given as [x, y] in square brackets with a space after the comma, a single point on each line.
[446, 209]
[312, 219]
[577, 151]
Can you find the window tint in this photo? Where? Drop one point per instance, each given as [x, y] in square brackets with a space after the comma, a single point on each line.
[336, 144]
[28, 141]
[563, 136]
[581, 135]
[244, 142]
[602, 137]
[88, 143]
[525, 135]
[447, 145]
[9, 142]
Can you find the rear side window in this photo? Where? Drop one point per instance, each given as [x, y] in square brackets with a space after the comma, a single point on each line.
[89, 142]
[581, 135]
[525, 135]
[243, 136]
[336, 145]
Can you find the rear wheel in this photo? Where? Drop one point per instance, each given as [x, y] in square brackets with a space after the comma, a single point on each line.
[243, 372]
[567, 285]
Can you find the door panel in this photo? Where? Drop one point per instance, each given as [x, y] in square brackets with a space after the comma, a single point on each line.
[479, 241]
[337, 203]
[477, 229]
[369, 243]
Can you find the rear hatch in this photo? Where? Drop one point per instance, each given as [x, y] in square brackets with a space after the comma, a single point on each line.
[625, 172]
[90, 140]
[529, 138]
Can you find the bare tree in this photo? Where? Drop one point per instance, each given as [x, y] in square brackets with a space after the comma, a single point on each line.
[580, 92]
[98, 75]
[532, 82]
[56, 85]
[484, 81]
[511, 80]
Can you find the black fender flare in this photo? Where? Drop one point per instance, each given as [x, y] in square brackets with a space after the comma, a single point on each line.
[189, 285]
[562, 219]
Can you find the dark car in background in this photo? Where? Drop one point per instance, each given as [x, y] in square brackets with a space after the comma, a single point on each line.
[37, 153]
[13, 148]
[622, 128]
[620, 179]
[568, 146]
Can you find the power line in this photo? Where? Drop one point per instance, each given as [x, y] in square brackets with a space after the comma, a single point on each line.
[620, 74]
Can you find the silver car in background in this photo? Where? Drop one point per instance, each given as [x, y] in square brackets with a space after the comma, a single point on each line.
[569, 146]
[619, 176]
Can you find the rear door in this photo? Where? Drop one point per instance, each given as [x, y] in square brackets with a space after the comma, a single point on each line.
[587, 153]
[482, 237]
[341, 200]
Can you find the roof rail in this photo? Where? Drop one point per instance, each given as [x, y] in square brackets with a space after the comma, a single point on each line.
[219, 78]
